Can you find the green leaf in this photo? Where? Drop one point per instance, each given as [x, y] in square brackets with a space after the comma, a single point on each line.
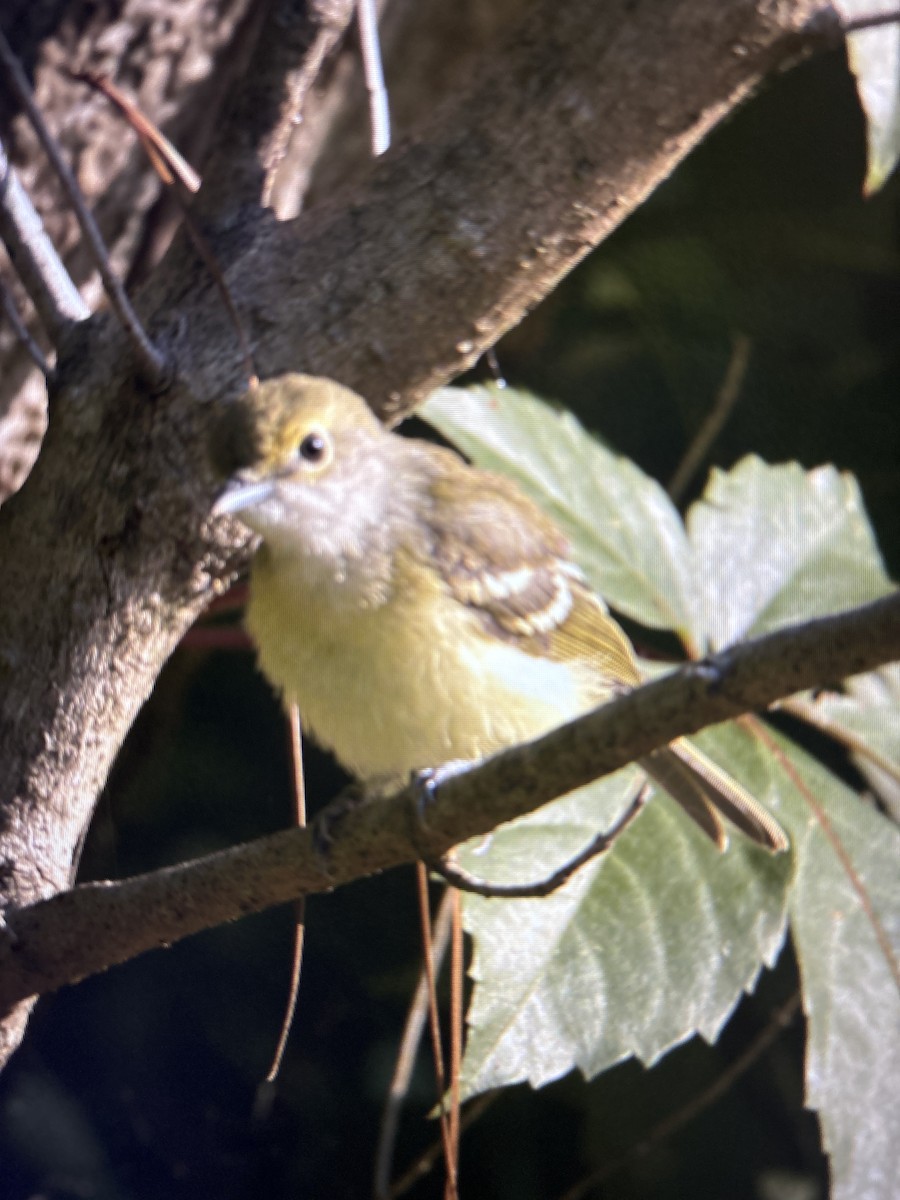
[867, 717]
[778, 544]
[845, 900]
[649, 945]
[657, 940]
[874, 57]
[625, 532]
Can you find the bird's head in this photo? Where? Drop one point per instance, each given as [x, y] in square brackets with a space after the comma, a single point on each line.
[307, 461]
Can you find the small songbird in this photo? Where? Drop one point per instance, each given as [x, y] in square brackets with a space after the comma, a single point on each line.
[419, 610]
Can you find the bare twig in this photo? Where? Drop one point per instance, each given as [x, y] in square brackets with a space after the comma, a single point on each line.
[457, 988]
[726, 398]
[182, 181]
[21, 331]
[406, 1055]
[54, 295]
[379, 112]
[435, 1030]
[167, 160]
[296, 742]
[427, 1159]
[153, 364]
[874, 21]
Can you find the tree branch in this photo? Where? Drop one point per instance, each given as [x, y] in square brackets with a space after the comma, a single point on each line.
[55, 297]
[293, 42]
[148, 356]
[86, 930]
[453, 238]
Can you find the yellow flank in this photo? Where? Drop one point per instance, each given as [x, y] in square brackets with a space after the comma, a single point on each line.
[402, 685]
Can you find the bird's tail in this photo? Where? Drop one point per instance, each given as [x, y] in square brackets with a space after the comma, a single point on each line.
[707, 793]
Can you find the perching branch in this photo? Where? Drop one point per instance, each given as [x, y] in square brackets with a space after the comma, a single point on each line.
[78, 933]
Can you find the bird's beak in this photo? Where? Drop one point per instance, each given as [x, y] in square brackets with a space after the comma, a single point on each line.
[241, 494]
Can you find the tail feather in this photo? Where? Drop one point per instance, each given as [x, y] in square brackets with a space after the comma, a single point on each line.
[705, 791]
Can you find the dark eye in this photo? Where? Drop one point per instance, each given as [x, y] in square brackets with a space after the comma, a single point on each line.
[314, 447]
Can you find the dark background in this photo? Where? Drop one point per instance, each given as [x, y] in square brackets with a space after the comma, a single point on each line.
[140, 1083]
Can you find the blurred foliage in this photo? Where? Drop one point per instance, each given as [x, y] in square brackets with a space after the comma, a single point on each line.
[140, 1083]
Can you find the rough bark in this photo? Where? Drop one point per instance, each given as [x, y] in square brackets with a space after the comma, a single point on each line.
[107, 554]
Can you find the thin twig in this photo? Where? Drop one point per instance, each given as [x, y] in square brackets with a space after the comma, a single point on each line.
[265, 1093]
[493, 362]
[457, 972]
[406, 1055]
[434, 1025]
[153, 363]
[56, 299]
[857, 24]
[726, 398]
[21, 331]
[778, 1022]
[426, 1160]
[182, 181]
[299, 904]
[370, 48]
[168, 161]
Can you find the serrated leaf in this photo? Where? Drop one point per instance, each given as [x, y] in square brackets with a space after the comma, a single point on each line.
[851, 988]
[874, 57]
[656, 941]
[625, 532]
[869, 712]
[653, 943]
[781, 544]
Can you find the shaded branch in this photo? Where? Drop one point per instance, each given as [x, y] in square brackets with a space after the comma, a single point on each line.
[294, 40]
[86, 930]
[22, 332]
[55, 297]
[152, 362]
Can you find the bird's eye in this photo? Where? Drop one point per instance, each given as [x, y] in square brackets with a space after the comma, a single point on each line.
[314, 448]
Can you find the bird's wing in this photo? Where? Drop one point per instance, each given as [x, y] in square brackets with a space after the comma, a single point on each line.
[505, 559]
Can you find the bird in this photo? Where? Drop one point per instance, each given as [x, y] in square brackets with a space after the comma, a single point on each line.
[422, 611]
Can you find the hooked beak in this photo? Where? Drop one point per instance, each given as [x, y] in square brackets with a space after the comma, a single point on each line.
[240, 494]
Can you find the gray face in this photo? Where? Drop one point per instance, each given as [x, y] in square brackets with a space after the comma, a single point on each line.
[333, 522]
